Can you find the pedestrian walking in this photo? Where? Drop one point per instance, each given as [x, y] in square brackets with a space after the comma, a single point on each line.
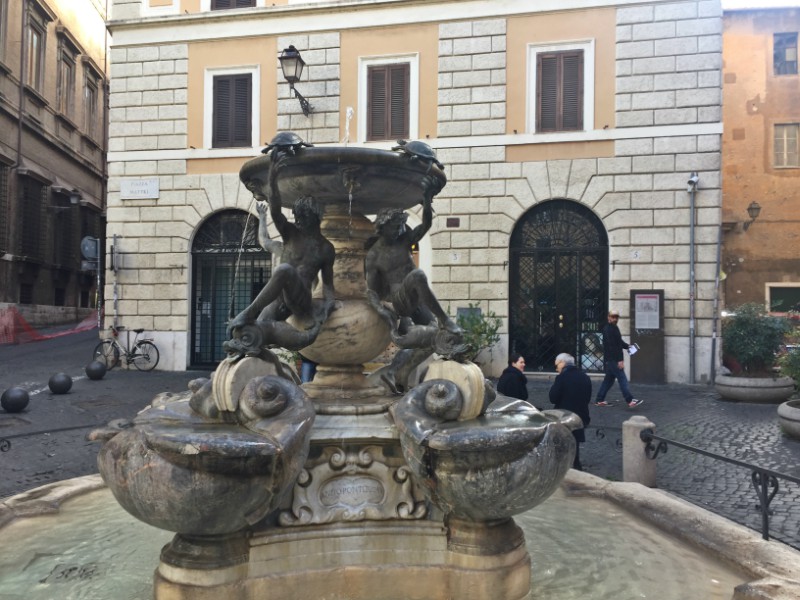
[613, 365]
[572, 390]
[513, 382]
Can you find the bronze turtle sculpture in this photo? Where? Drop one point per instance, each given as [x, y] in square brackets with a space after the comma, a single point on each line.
[286, 141]
[418, 151]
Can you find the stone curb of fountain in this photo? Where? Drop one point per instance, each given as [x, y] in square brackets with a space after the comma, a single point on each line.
[774, 565]
[46, 499]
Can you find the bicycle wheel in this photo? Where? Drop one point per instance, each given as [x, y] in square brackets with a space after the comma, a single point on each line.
[107, 353]
[145, 356]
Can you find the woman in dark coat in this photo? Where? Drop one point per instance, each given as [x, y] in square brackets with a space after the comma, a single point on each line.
[513, 382]
[572, 390]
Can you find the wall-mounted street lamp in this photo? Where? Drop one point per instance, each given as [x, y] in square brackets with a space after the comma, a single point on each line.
[292, 66]
[753, 210]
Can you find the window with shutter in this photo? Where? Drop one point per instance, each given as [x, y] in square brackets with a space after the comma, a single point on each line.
[232, 111]
[559, 91]
[225, 4]
[388, 101]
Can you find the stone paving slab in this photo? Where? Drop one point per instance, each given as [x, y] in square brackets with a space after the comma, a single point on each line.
[695, 415]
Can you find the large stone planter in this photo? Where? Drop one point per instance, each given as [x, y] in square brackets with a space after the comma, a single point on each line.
[789, 418]
[767, 390]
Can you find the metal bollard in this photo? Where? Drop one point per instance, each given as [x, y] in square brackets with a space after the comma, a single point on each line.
[636, 467]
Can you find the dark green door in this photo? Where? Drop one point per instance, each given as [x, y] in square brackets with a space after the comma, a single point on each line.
[229, 268]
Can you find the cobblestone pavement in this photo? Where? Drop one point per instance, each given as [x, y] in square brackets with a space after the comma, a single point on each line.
[695, 415]
[47, 439]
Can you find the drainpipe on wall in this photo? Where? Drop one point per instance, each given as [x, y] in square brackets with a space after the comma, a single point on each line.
[715, 316]
[692, 189]
[22, 57]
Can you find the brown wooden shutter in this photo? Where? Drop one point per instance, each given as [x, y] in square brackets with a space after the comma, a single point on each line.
[559, 91]
[232, 111]
[388, 101]
[223, 4]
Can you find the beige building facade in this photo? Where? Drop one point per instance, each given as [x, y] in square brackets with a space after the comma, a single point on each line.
[568, 135]
[52, 157]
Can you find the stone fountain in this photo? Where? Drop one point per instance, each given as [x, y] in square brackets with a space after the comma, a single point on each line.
[342, 487]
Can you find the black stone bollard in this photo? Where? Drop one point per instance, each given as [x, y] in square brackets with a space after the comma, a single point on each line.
[14, 399]
[95, 370]
[60, 383]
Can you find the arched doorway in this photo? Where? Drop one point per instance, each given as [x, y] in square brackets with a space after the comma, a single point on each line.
[558, 285]
[229, 268]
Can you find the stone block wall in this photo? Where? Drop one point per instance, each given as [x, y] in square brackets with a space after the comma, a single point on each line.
[667, 78]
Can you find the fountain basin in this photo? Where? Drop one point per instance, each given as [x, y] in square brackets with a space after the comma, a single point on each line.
[365, 179]
[187, 472]
[73, 540]
[487, 468]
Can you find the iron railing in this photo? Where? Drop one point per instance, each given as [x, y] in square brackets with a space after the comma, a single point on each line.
[764, 481]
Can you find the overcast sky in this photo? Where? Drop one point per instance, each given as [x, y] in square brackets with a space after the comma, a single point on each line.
[758, 3]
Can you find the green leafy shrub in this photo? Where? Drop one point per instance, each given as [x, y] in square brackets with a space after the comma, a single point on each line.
[751, 339]
[480, 330]
[789, 364]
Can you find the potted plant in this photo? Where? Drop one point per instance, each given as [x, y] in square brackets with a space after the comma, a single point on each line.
[480, 330]
[751, 341]
[789, 363]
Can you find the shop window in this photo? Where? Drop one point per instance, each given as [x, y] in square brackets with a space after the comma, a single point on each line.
[784, 53]
[786, 145]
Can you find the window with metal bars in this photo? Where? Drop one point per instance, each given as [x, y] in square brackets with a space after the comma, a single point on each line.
[4, 208]
[784, 53]
[3, 27]
[63, 236]
[224, 4]
[388, 101]
[232, 111]
[32, 197]
[559, 91]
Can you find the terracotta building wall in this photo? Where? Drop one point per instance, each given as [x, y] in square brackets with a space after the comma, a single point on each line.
[754, 100]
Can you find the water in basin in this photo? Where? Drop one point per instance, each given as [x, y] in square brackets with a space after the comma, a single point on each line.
[580, 547]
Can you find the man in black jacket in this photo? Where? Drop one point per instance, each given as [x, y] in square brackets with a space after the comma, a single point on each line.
[572, 390]
[613, 364]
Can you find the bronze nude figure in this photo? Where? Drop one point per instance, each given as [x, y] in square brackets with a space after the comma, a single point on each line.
[305, 255]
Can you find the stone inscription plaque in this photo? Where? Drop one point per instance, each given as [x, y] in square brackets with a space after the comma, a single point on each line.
[351, 491]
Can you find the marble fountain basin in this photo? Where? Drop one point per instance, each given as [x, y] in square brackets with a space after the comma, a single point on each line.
[591, 539]
[362, 180]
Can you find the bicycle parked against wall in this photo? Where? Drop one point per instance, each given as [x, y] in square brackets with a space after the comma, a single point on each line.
[143, 354]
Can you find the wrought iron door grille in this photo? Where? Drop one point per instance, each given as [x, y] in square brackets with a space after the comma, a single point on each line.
[559, 264]
[229, 268]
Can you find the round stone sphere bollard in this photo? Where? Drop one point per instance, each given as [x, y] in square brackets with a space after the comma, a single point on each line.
[95, 370]
[60, 383]
[14, 399]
